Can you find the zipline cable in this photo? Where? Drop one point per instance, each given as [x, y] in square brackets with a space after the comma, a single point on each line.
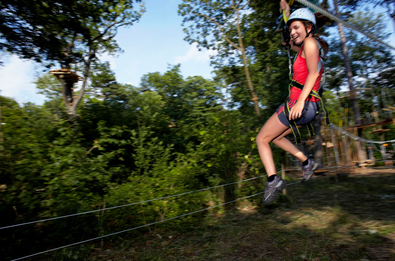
[338, 20]
[130, 204]
[354, 137]
[146, 225]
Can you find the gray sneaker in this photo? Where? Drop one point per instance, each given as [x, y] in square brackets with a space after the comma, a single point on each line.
[272, 189]
[308, 170]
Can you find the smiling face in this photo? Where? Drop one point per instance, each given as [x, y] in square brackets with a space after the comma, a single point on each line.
[297, 31]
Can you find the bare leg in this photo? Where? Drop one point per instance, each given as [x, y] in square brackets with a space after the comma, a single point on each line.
[274, 130]
[288, 146]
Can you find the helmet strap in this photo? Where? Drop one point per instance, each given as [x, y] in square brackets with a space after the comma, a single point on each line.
[311, 31]
[307, 35]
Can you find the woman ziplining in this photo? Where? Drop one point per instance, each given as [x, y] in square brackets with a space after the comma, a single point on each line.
[303, 102]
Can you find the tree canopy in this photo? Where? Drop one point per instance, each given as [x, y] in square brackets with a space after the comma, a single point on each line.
[58, 31]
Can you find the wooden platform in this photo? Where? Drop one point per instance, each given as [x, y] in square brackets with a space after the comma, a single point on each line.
[66, 75]
[363, 126]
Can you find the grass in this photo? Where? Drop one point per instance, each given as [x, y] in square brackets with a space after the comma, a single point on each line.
[323, 220]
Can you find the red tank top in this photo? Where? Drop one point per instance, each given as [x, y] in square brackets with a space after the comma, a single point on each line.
[300, 73]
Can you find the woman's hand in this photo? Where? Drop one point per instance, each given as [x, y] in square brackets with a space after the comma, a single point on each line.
[296, 111]
[285, 6]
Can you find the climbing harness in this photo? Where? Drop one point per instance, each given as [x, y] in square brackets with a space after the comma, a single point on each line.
[307, 15]
[315, 94]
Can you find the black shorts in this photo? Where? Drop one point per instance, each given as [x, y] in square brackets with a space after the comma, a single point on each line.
[309, 113]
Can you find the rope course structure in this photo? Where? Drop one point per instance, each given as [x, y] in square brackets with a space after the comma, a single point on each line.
[354, 137]
[347, 145]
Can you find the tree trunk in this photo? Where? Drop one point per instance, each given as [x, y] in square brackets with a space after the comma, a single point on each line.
[318, 153]
[72, 107]
[67, 103]
[353, 95]
[246, 70]
[228, 173]
[1, 134]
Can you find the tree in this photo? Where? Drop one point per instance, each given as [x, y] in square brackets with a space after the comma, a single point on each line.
[103, 80]
[367, 62]
[215, 20]
[41, 30]
[371, 64]
[69, 34]
[353, 97]
[186, 103]
[389, 4]
[268, 64]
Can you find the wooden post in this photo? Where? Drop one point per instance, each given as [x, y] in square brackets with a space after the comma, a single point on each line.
[363, 150]
[346, 149]
[359, 151]
[370, 149]
[335, 147]
[328, 162]
[338, 147]
[382, 150]
[318, 150]
[355, 151]
[342, 150]
[283, 177]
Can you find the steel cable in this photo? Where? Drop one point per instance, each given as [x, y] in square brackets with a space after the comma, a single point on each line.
[146, 225]
[338, 20]
[129, 204]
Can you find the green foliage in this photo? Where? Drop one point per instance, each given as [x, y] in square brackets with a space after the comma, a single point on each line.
[172, 136]
[211, 20]
[220, 25]
[58, 30]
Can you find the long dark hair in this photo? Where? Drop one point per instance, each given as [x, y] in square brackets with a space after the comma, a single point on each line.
[322, 42]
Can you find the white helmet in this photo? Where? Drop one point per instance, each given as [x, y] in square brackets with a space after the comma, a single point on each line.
[302, 14]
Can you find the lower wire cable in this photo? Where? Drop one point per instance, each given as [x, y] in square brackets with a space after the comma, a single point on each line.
[134, 228]
[150, 224]
[130, 204]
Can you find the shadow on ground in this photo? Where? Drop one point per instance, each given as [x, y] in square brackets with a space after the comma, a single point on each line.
[324, 220]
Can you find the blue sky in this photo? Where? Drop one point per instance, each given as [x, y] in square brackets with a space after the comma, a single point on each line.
[149, 46]
[155, 42]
